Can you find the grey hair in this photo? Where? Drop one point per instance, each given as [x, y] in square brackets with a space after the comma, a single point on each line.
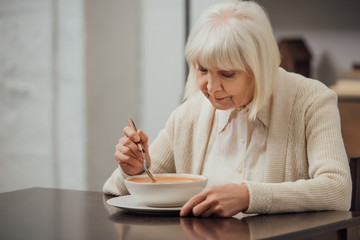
[235, 35]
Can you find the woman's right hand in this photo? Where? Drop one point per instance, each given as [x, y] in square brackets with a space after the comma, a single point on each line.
[128, 154]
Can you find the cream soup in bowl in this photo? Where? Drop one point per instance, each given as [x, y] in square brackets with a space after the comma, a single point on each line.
[170, 190]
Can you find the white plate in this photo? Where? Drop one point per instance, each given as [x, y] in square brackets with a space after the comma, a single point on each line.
[131, 204]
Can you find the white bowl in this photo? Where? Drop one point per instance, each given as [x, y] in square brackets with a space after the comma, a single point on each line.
[165, 194]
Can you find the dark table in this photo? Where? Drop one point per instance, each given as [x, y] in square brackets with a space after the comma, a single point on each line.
[41, 213]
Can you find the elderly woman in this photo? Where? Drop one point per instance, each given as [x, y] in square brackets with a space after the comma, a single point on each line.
[268, 140]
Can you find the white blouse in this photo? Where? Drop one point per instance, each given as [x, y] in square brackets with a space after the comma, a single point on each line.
[236, 150]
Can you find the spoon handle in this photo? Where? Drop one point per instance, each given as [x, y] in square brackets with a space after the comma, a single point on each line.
[141, 148]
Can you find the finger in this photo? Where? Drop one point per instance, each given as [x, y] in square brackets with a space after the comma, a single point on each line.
[123, 158]
[129, 150]
[144, 138]
[187, 208]
[130, 169]
[144, 141]
[125, 153]
[193, 202]
[131, 134]
[128, 147]
[210, 211]
[209, 206]
[130, 165]
[201, 208]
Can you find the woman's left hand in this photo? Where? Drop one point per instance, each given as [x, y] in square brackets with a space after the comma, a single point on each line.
[221, 201]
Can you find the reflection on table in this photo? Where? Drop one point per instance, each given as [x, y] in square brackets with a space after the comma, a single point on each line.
[330, 224]
[41, 213]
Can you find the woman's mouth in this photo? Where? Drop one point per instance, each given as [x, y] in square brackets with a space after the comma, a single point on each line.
[218, 99]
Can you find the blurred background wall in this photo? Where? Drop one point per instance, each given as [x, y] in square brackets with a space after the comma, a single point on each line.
[42, 94]
[73, 71]
[330, 29]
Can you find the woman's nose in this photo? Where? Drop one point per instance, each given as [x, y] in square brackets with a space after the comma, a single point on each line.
[213, 83]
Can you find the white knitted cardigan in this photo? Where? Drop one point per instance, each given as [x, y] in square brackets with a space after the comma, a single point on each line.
[306, 167]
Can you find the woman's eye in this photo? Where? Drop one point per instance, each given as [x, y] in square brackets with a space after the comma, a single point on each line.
[201, 69]
[228, 74]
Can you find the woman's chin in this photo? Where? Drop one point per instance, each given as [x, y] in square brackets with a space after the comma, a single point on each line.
[219, 106]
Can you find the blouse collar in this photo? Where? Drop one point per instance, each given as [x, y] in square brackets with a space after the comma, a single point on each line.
[225, 116]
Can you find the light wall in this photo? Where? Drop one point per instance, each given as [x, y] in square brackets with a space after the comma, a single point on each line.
[112, 81]
[42, 121]
[162, 74]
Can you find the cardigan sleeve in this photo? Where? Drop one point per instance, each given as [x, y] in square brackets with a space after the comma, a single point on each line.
[114, 185]
[328, 186]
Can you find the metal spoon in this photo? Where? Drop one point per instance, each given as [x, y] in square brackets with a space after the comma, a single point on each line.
[141, 148]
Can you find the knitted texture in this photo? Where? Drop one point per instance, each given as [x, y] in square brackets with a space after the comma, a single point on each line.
[306, 165]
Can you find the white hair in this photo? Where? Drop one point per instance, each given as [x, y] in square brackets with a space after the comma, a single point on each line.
[234, 35]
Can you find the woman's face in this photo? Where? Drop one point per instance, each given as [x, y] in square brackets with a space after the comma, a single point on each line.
[225, 89]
